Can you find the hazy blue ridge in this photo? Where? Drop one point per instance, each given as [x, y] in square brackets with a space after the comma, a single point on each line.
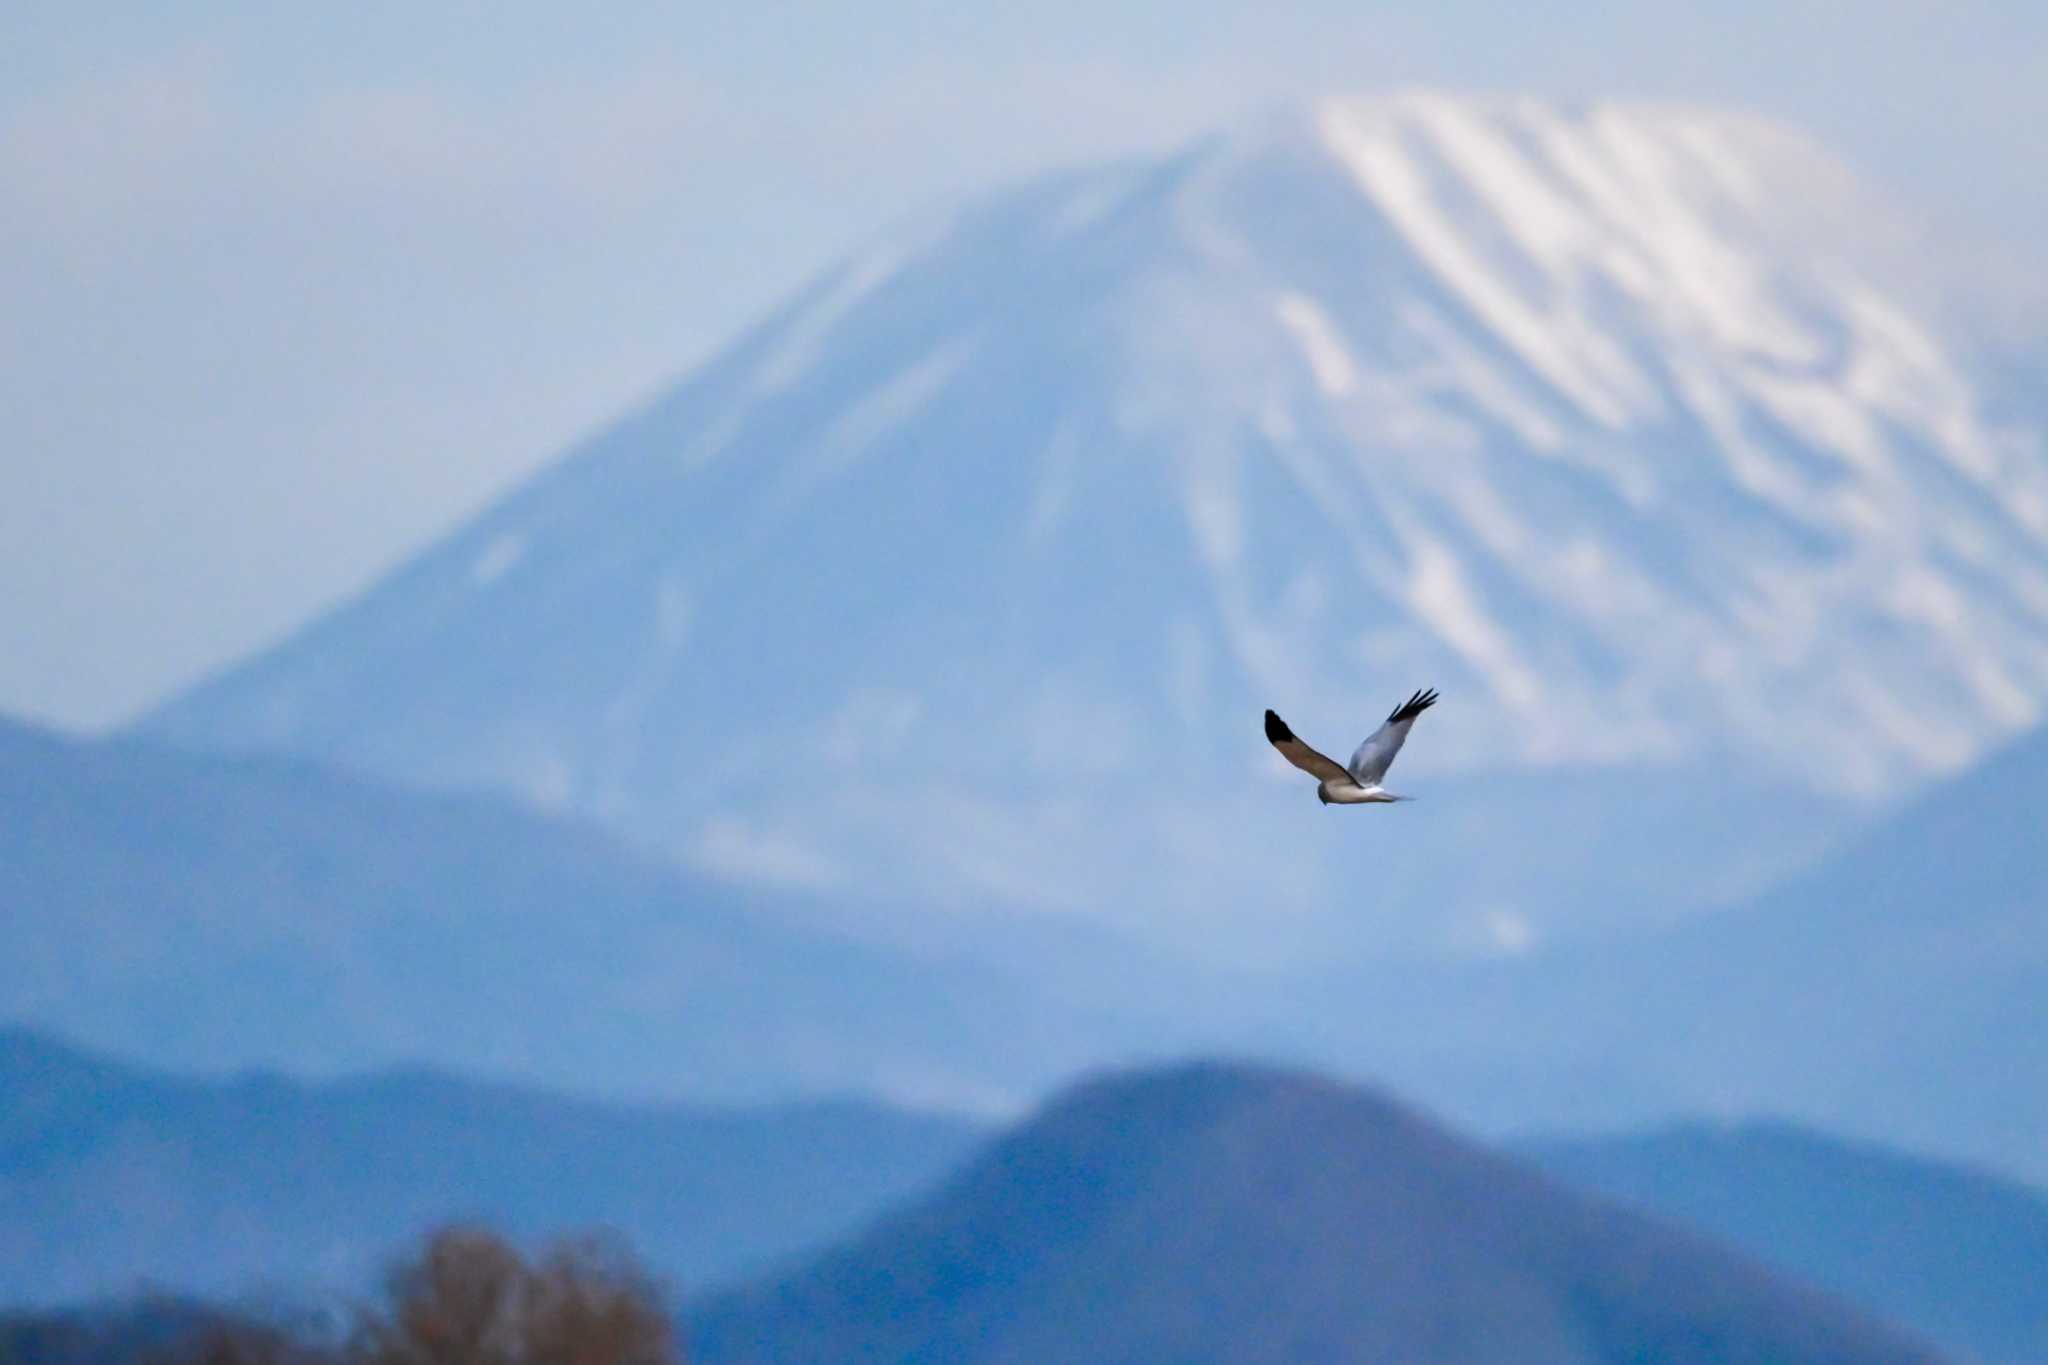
[114, 1179]
[1957, 1254]
[1234, 1213]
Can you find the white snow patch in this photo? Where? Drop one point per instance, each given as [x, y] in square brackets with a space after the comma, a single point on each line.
[1397, 412]
[888, 406]
[1552, 337]
[1897, 368]
[640, 690]
[1277, 424]
[1480, 506]
[1605, 585]
[1757, 471]
[2008, 702]
[1921, 595]
[804, 336]
[1060, 471]
[1826, 417]
[1475, 378]
[1087, 206]
[546, 780]
[1654, 185]
[1781, 617]
[2032, 590]
[1437, 592]
[1931, 745]
[1491, 931]
[731, 848]
[1336, 374]
[1509, 932]
[497, 559]
[2025, 484]
[1211, 502]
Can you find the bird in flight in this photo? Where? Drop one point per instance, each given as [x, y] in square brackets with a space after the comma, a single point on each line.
[1359, 783]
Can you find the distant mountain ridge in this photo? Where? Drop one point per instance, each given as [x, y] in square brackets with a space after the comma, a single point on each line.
[204, 914]
[1233, 1213]
[1894, 990]
[1956, 1254]
[1584, 415]
[1890, 992]
[111, 1179]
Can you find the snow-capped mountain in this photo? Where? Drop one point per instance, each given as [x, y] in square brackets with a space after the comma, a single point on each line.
[968, 573]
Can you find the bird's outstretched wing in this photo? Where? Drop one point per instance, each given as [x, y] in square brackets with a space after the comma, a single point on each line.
[1300, 755]
[1376, 755]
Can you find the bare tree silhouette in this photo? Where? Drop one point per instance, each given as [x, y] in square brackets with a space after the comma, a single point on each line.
[471, 1298]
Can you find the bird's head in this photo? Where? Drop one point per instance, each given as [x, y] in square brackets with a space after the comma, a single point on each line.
[1322, 796]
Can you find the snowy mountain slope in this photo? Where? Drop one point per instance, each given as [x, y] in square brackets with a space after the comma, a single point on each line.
[997, 540]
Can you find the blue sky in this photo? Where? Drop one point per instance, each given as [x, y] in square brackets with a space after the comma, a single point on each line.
[286, 289]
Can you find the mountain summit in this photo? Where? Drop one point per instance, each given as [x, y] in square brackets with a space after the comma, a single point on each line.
[1001, 535]
[1232, 1213]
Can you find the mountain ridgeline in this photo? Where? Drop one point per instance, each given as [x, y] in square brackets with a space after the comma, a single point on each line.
[217, 914]
[1959, 1255]
[112, 1178]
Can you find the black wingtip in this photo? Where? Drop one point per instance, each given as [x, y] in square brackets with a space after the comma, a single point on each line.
[1414, 706]
[1277, 731]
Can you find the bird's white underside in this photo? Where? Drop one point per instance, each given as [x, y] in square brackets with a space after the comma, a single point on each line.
[1351, 794]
